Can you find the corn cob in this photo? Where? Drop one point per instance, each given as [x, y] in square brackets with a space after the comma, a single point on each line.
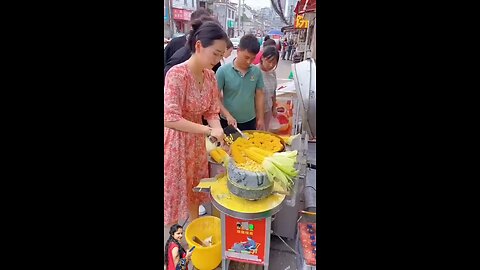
[262, 151]
[237, 155]
[251, 154]
[216, 156]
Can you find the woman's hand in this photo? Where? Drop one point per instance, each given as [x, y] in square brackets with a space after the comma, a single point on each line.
[189, 254]
[231, 121]
[218, 133]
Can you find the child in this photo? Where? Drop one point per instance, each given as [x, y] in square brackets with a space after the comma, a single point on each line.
[227, 53]
[174, 250]
[267, 43]
[268, 64]
[241, 88]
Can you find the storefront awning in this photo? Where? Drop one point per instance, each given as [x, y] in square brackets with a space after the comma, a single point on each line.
[288, 28]
[304, 6]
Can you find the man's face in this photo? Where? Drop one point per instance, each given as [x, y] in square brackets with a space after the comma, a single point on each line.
[244, 58]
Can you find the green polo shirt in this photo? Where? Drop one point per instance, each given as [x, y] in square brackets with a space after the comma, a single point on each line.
[239, 91]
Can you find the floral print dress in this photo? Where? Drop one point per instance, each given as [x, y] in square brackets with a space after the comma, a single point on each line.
[185, 154]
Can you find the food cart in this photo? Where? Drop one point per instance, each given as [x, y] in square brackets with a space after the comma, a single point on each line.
[246, 226]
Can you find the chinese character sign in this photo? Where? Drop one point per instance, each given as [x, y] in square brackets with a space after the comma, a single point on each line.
[300, 22]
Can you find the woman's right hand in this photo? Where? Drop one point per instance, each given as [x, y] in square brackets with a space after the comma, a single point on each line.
[231, 121]
[189, 254]
[218, 133]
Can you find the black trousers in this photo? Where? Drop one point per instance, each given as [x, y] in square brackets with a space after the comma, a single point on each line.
[250, 125]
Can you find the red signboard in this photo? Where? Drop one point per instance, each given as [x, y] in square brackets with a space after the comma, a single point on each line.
[181, 14]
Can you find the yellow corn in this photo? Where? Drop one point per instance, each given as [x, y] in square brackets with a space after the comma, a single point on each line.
[222, 152]
[251, 166]
[237, 155]
[262, 151]
[251, 154]
[216, 156]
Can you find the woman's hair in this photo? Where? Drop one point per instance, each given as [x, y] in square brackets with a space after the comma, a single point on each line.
[229, 44]
[269, 42]
[267, 37]
[271, 52]
[181, 250]
[205, 31]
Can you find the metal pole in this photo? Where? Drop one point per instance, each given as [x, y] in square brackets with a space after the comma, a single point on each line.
[306, 43]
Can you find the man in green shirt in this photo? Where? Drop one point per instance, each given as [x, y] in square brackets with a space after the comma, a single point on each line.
[241, 88]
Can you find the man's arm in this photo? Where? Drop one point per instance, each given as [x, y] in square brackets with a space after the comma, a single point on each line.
[260, 105]
[260, 102]
[220, 75]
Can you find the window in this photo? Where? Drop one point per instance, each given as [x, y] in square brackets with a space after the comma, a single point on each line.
[185, 2]
[193, 3]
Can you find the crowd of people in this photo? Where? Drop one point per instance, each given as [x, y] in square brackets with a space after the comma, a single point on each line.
[203, 94]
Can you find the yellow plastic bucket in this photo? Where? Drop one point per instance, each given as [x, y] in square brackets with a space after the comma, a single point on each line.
[205, 258]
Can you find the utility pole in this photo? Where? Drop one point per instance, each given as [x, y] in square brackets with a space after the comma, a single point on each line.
[240, 12]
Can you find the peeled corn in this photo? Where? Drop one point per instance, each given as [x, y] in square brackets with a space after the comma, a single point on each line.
[254, 155]
[261, 151]
[238, 155]
[218, 155]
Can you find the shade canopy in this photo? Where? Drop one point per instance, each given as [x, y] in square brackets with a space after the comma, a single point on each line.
[304, 6]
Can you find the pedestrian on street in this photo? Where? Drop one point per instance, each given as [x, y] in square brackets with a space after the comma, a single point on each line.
[241, 87]
[177, 43]
[191, 92]
[289, 49]
[268, 65]
[284, 48]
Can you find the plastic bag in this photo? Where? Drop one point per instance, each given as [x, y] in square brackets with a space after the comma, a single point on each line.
[274, 125]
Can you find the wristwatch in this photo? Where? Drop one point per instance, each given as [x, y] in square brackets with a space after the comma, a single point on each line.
[209, 132]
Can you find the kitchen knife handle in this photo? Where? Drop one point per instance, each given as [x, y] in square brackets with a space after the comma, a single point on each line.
[214, 140]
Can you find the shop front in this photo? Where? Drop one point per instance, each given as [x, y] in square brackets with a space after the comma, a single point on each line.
[181, 17]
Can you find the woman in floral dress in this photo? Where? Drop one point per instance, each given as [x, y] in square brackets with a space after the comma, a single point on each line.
[190, 93]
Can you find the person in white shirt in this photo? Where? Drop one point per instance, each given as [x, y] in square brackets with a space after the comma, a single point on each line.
[268, 64]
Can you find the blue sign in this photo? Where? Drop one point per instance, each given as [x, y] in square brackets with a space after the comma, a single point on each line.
[165, 13]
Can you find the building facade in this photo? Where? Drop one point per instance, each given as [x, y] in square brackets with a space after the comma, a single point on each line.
[180, 14]
[226, 14]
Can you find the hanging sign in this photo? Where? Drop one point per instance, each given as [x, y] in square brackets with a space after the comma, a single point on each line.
[300, 22]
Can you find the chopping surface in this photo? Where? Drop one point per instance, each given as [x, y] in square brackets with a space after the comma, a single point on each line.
[220, 193]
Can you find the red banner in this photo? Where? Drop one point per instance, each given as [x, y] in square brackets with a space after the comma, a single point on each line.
[181, 14]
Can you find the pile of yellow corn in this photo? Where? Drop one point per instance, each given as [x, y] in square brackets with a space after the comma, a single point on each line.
[218, 154]
[263, 141]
